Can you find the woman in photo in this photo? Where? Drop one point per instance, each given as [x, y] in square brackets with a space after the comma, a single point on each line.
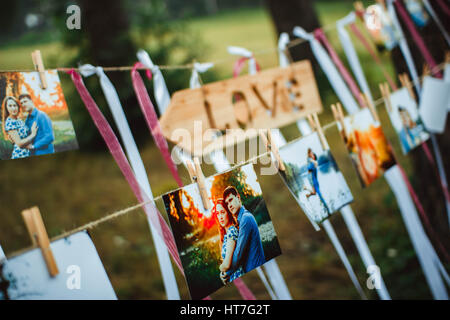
[229, 231]
[15, 130]
[410, 134]
[312, 168]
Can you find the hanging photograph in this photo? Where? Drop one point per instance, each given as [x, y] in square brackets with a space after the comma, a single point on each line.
[417, 12]
[219, 245]
[34, 121]
[406, 120]
[370, 152]
[81, 273]
[380, 26]
[313, 178]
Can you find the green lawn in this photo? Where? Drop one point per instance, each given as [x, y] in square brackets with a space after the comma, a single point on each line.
[76, 187]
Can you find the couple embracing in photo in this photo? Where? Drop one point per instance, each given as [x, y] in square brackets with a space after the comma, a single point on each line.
[241, 245]
[34, 136]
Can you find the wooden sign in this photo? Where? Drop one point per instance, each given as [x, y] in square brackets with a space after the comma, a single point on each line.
[270, 99]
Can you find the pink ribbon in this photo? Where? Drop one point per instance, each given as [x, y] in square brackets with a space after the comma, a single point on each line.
[152, 121]
[430, 158]
[444, 7]
[239, 65]
[418, 39]
[119, 156]
[320, 36]
[423, 214]
[375, 57]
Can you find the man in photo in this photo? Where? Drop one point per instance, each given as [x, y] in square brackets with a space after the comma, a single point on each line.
[249, 252]
[43, 142]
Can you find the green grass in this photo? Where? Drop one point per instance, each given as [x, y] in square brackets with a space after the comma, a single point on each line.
[74, 188]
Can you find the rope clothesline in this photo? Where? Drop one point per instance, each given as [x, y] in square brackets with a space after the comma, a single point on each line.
[122, 212]
[188, 66]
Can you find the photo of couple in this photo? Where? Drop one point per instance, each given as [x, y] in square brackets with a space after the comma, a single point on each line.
[34, 121]
[220, 245]
[313, 178]
[406, 120]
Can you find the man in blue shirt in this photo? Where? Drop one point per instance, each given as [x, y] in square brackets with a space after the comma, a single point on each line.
[43, 142]
[249, 251]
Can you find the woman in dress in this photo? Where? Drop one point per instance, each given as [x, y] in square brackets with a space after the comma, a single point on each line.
[15, 130]
[312, 168]
[229, 231]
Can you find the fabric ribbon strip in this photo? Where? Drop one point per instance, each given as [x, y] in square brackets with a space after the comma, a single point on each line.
[351, 54]
[375, 57]
[119, 156]
[436, 19]
[418, 39]
[320, 35]
[406, 52]
[444, 7]
[138, 167]
[153, 124]
[152, 120]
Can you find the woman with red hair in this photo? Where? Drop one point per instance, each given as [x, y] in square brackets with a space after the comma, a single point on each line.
[229, 231]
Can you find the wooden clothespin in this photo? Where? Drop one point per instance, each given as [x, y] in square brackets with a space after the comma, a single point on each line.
[426, 70]
[359, 8]
[404, 80]
[266, 137]
[371, 107]
[447, 56]
[385, 93]
[318, 128]
[39, 237]
[196, 174]
[338, 114]
[39, 66]
[382, 3]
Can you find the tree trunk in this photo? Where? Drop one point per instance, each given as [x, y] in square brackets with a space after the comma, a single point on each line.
[287, 14]
[426, 182]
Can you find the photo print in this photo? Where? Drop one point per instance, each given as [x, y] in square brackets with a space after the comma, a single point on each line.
[380, 26]
[219, 245]
[313, 178]
[417, 12]
[370, 151]
[81, 273]
[406, 120]
[34, 121]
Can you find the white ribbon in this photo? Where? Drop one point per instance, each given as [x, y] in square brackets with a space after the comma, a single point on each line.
[194, 82]
[160, 90]
[429, 260]
[333, 75]
[404, 45]
[2, 255]
[436, 19]
[137, 164]
[239, 51]
[346, 97]
[351, 54]
[283, 41]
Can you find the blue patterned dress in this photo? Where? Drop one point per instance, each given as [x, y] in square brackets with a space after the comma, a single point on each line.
[232, 233]
[22, 129]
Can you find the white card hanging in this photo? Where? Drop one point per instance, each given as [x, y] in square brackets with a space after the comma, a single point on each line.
[137, 164]
[434, 102]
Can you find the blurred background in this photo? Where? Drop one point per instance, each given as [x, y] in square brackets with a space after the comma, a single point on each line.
[74, 188]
